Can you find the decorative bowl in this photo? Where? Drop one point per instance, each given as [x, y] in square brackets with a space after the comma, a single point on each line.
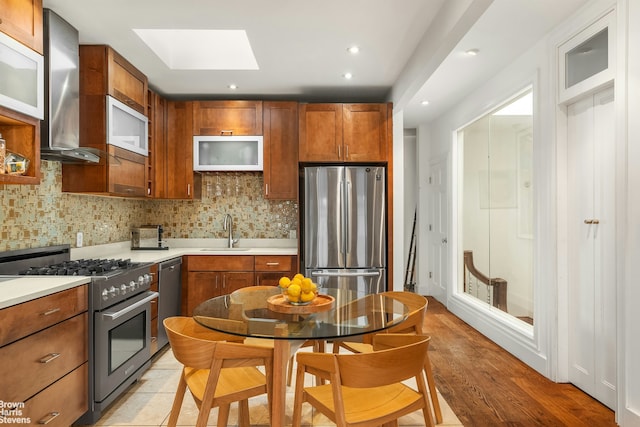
[293, 301]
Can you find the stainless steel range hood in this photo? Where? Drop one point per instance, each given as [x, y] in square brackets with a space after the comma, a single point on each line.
[60, 129]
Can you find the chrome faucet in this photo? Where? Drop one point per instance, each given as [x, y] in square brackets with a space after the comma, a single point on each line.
[227, 226]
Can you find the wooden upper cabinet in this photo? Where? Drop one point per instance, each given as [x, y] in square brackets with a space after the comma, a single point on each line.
[182, 182]
[22, 135]
[365, 132]
[344, 132]
[22, 20]
[106, 72]
[157, 157]
[229, 118]
[280, 121]
[320, 133]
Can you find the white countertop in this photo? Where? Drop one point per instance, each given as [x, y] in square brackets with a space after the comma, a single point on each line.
[19, 289]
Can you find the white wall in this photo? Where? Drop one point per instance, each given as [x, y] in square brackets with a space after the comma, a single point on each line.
[629, 296]
[531, 68]
[542, 349]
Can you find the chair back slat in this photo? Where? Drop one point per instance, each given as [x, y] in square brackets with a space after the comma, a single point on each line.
[383, 367]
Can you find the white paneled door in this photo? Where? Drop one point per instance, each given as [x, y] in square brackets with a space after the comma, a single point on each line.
[438, 225]
[591, 245]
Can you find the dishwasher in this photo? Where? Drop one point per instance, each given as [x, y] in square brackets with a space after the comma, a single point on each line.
[169, 285]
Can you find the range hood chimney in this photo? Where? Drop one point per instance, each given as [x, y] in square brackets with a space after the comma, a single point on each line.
[60, 129]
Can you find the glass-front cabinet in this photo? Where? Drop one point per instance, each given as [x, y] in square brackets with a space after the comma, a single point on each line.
[22, 81]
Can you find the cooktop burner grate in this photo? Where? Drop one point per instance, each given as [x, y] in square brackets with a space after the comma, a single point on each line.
[82, 267]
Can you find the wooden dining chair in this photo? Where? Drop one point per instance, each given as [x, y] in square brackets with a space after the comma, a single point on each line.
[253, 297]
[217, 373]
[417, 307]
[367, 389]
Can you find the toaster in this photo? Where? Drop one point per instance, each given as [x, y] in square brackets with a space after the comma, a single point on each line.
[147, 237]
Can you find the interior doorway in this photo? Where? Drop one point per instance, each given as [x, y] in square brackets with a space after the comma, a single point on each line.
[591, 250]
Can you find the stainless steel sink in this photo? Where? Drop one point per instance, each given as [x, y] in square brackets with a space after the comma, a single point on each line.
[225, 249]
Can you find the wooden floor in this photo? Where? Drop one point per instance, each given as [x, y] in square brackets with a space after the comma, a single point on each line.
[486, 386]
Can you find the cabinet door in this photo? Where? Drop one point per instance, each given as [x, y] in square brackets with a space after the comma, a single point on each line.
[365, 132]
[227, 118]
[182, 183]
[157, 157]
[280, 122]
[202, 285]
[320, 133]
[22, 20]
[126, 83]
[126, 173]
[232, 280]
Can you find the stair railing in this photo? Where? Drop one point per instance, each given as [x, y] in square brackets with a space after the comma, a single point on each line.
[496, 287]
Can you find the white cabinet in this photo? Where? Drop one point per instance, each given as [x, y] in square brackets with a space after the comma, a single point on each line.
[591, 228]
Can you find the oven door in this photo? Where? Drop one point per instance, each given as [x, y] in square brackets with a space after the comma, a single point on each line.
[122, 342]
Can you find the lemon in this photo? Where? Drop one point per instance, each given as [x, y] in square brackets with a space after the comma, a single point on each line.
[307, 296]
[296, 280]
[306, 285]
[294, 299]
[284, 282]
[299, 276]
[294, 290]
[314, 287]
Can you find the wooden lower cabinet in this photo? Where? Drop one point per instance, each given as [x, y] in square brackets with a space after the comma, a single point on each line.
[208, 276]
[44, 351]
[60, 404]
[270, 268]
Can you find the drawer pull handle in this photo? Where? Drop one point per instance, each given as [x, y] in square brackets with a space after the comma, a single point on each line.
[226, 132]
[51, 311]
[49, 418]
[49, 357]
[273, 264]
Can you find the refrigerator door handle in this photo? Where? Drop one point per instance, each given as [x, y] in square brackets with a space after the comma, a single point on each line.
[344, 216]
[347, 220]
[345, 274]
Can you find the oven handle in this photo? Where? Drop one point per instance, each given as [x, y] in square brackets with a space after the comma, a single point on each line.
[114, 315]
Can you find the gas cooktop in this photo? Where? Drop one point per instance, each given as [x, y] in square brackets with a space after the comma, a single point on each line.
[82, 267]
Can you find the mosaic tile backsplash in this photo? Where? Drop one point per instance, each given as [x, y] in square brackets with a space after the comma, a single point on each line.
[42, 215]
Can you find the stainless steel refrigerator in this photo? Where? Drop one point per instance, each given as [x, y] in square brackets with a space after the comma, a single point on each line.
[344, 215]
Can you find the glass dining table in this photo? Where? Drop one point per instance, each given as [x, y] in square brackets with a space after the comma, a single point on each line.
[260, 313]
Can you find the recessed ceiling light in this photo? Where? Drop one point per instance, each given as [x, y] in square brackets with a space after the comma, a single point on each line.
[472, 52]
[233, 86]
[424, 103]
[353, 49]
[347, 76]
[201, 49]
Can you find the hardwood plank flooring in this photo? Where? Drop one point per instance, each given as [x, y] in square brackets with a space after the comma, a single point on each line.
[487, 386]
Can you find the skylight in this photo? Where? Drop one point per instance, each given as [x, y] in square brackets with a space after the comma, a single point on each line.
[201, 49]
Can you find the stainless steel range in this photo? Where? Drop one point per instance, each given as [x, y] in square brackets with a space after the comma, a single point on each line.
[120, 316]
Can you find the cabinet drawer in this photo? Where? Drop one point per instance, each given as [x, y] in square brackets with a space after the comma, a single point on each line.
[41, 359]
[273, 263]
[23, 319]
[220, 263]
[68, 398]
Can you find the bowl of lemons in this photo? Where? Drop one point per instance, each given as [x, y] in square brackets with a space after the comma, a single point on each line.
[298, 290]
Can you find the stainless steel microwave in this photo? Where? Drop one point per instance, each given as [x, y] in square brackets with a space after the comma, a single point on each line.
[227, 153]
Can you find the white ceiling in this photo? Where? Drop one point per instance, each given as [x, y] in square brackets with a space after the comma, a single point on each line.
[410, 49]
